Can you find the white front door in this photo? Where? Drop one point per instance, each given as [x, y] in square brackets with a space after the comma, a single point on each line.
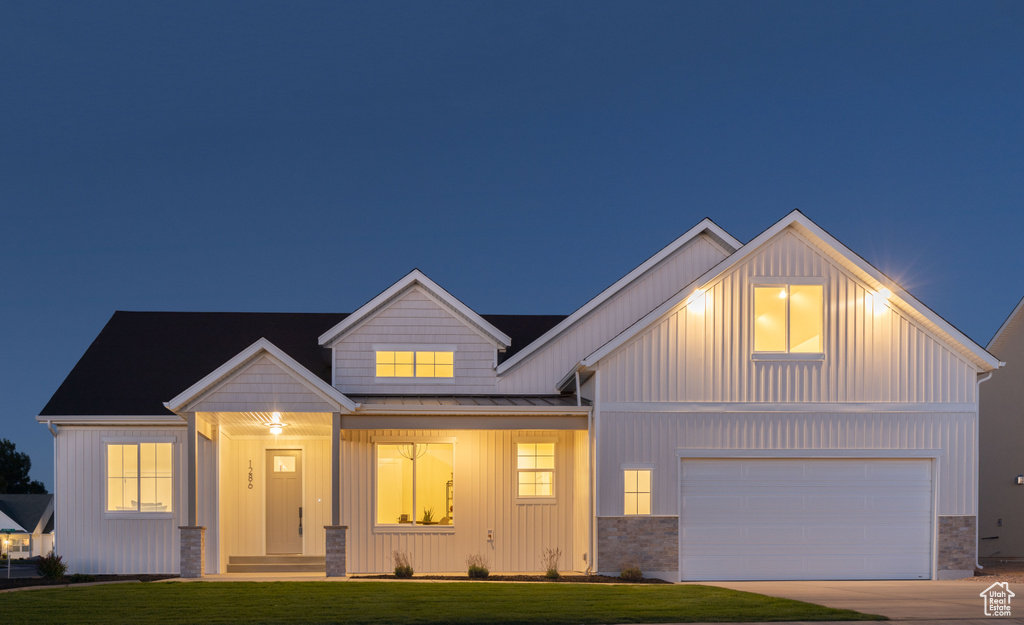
[805, 519]
[284, 501]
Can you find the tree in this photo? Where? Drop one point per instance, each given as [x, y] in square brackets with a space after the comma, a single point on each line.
[14, 468]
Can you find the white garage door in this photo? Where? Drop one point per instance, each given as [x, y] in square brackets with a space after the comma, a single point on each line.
[805, 519]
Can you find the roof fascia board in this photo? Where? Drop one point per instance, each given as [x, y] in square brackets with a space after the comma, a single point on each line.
[967, 345]
[214, 378]
[1006, 324]
[796, 218]
[415, 276]
[706, 226]
[400, 409]
[164, 419]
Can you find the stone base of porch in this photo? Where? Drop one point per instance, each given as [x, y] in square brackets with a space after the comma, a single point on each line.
[336, 538]
[193, 551]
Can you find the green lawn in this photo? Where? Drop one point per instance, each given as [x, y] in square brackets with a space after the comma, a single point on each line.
[383, 602]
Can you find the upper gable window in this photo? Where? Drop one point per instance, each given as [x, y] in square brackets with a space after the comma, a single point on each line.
[410, 364]
[789, 318]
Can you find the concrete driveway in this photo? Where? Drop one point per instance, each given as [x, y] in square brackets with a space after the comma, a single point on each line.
[913, 600]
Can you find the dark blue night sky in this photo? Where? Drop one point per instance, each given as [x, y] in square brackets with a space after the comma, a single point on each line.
[286, 156]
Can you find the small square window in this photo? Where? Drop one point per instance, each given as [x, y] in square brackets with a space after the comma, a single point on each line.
[789, 319]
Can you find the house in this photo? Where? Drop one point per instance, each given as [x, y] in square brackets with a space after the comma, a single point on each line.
[778, 409]
[31, 518]
[1001, 475]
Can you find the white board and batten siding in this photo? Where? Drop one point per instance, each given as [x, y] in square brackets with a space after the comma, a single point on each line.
[542, 370]
[414, 319]
[703, 353]
[90, 540]
[484, 499]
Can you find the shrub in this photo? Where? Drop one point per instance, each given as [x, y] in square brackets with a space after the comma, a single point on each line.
[403, 564]
[477, 564]
[80, 578]
[549, 560]
[631, 571]
[51, 567]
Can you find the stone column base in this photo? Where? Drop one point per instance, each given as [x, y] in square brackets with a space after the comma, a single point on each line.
[193, 551]
[336, 537]
[957, 546]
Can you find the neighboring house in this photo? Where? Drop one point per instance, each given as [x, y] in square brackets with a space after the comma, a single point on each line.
[31, 516]
[1001, 475]
[773, 410]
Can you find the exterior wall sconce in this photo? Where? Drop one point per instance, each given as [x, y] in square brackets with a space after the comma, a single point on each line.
[1020, 480]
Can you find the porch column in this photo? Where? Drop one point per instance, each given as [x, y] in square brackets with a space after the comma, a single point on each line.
[192, 542]
[335, 468]
[336, 535]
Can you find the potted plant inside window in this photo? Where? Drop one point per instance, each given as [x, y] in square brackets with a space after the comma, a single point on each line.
[428, 517]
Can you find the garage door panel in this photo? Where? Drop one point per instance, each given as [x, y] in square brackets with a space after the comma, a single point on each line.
[805, 519]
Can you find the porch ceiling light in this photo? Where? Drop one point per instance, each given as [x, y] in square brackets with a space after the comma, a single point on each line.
[276, 425]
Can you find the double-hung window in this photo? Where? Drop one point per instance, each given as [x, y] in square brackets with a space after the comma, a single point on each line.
[535, 470]
[415, 484]
[139, 477]
[789, 318]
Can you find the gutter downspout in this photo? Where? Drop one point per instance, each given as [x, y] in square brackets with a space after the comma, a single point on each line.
[53, 432]
[595, 414]
[590, 470]
[977, 465]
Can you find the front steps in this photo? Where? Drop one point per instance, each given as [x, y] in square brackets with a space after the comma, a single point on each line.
[277, 564]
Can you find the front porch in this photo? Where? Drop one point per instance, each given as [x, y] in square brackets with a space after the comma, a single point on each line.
[254, 524]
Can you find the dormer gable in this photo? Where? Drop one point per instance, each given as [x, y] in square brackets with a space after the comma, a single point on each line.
[416, 280]
[415, 338]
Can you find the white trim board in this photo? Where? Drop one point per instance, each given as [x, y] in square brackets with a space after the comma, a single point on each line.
[706, 226]
[224, 372]
[754, 408]
[697, 454]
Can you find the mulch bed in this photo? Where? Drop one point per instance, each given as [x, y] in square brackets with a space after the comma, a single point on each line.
[21, 582]
[571, 579]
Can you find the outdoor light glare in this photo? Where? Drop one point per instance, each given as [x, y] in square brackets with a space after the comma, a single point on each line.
[276, 429]
[275, 417]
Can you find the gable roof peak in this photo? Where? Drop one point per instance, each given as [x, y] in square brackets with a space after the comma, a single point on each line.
[413, 279]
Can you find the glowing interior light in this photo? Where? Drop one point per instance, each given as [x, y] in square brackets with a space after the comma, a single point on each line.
[782, 293]
[275, 429]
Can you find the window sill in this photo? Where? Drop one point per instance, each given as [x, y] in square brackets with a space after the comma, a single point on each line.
[139, 515]
[413, 529]
[781, 357]
[544, 501]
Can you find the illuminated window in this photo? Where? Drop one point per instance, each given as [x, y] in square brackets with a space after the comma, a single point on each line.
[415, 484]
[535, 468]
[139, 477]
[637, 491]
[408, 364]
[789, 318]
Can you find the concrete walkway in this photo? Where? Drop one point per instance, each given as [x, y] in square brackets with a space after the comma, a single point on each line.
[939, 601]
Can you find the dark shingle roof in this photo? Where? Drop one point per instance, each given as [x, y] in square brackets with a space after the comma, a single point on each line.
[26, 510]
[142, 359]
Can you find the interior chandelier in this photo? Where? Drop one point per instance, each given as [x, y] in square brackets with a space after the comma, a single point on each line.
[413, 450]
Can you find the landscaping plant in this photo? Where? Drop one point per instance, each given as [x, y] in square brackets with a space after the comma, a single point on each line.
[477, 564]
[51, 567]
[403, 564]
[631, 571]
[549, 560]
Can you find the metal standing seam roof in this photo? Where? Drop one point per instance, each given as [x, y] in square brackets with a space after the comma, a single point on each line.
[543, 401]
